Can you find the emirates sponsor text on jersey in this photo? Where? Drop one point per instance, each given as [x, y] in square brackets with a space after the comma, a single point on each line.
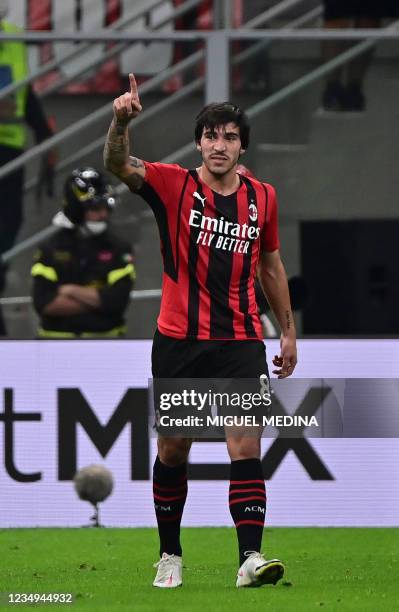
[223, 234]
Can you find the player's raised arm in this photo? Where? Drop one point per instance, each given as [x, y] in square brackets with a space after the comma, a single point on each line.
[117, 160]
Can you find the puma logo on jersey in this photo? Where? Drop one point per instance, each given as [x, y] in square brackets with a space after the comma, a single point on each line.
[197, 195]
[254, 509]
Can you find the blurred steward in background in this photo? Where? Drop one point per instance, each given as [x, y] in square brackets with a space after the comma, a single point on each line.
[17, 110]
[83, 275]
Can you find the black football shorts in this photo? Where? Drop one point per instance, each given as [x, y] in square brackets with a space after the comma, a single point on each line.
[180, 358]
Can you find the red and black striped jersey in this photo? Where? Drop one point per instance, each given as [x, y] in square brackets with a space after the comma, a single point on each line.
[210, 245]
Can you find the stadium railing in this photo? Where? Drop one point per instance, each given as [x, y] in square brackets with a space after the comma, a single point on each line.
[38, 37]
[33, 153]
[215, 40]
[219, 40]
[139, 294]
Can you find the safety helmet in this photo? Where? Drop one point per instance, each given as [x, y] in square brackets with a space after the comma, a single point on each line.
[86, 188]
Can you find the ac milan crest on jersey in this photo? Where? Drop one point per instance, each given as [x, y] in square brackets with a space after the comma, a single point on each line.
[253, 211]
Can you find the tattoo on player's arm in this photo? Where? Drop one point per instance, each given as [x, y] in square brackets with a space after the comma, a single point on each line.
[288, 319]
[135, 162]
[116, 150]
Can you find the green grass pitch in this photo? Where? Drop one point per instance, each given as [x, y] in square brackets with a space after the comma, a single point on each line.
[111, 569]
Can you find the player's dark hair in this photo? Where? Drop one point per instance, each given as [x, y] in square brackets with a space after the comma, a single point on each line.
[220, 113]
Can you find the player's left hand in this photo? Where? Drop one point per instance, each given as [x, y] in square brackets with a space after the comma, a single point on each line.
[287, 359]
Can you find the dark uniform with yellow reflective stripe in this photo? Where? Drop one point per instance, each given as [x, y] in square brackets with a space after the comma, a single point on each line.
[82, 276]
[104, 262]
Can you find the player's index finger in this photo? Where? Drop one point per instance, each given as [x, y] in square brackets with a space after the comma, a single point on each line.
[133, 84]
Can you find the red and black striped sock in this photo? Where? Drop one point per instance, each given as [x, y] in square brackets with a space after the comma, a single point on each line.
[247, 501]
[170, 492]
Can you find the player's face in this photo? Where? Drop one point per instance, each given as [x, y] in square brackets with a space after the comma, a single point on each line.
[220, 148]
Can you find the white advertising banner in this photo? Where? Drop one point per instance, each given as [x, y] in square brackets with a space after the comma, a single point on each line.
[64, 405]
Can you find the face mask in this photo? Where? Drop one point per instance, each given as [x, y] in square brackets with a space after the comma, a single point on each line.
[3, 8]
[96, 227]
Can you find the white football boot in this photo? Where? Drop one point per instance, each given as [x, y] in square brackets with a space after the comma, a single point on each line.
[256, 571]
[169, 574]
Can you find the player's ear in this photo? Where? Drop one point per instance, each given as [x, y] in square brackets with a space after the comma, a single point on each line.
[198, 146]
[242, 151]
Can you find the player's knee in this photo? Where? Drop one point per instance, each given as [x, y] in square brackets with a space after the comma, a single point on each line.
[243, 448]
[173, 451]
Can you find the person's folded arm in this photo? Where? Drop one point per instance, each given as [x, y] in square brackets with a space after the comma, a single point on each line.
[62, 306]
[85, 296]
